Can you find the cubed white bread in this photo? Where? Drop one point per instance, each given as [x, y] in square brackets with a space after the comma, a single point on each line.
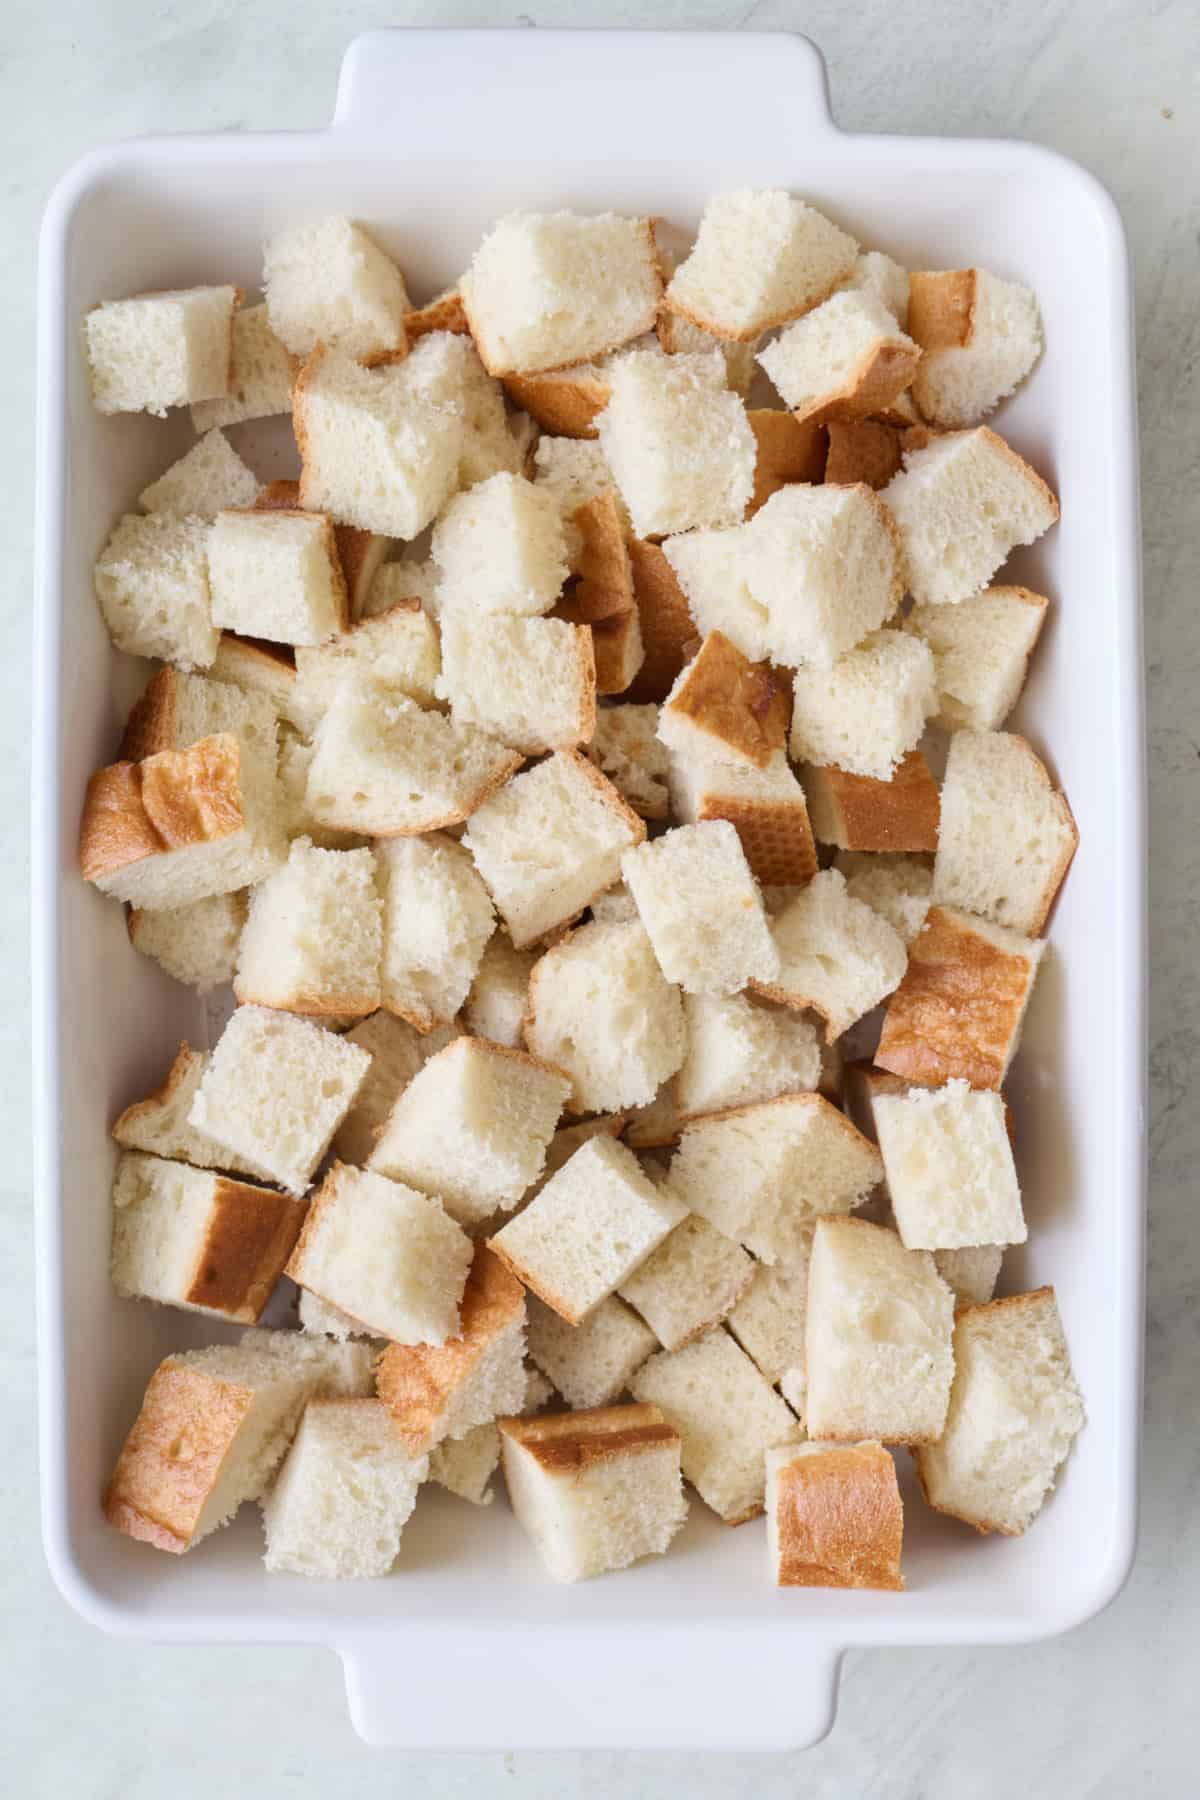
[159, 1125]
[603, 596]
[762, 1173]
[295, 761]
[766, 807]
[570, 1138]
[594, 1490]
[788, 450]
[397, 1050]
[439, 1391]
[276, 575]
[574, 471]
[376, 451]
[678, 442]
[949, 1167]
[834, 1517]
[403, 583]
[500, 548]
[465, 1466]
[213, 1427]
[592, 1363]
[547, 842]
[397, 648]
[678, 336]
[159, 350]
[472, 1127]
[387, 767]
[548, 289]
[566, 401]
[275, 1090]
[878, 1338]
[181, 825]
[761, 257]
[615, 906]
[847, 359]
[689, 1284]
[445, 368]
[151, 581]
[175, 710]
[959, 1009]
[861, 812]
[443, 313]
[499, 997]
[257, 668]
[1007, 835]
[437, 919]
[1015, 1411]
[897, 887]
[601, 1010]
[531, 683]
[836, 955]
[724, 708]
[980, 336]
[877, 274]
[313, 939]
[769, 1320]
[196, 944]
[806, 579]
[657, 1126]
[960, 504]
[195, 1239]
[344, 1494]
[866, 450]
[702, 909]
[868, 710]
[727, 1416]
[981, 651]
[740, 1052]
[665, 624]
[210, 477]
[261, 372]
[389, 1257]
[625, 747]
[327, 282]
[972, 1272]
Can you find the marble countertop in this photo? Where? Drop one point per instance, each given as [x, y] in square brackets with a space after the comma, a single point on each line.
[1108, 1710]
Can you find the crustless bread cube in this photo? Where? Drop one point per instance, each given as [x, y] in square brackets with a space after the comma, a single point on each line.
[702, 909]
[724, 708]
[590, 1363]
[327, 282]
[444, 368]
[847, 359]
[158, 1124]
[343, 1495]
[836, 956]
[625, 748]
[869, 710]
[198, 943]
[739, 1052]
[980, 337]
[398, 648]
[397, 1050]
[260, 375]
[500, 548]
[437, 918]
[277, 575]
[949, 1167]
[981, 651]
[151, 580]
[766, 807]
[1007, 836]
[314, 936]
[896, 887]
[689, 1283]
[160, 350]
[834, 1517]
[972, 1271]
[862, 812]
[531, 683]
[499, 997]
[204, 482]
[877, 274]
[761, 257]
[360, 554]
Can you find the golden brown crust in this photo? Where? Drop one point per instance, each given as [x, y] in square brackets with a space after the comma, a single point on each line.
[250, 1234]
[866, 814]
[566, 402]
[259, 664]
[618, 651]
[417, 1381]
[669, 635]
[185, 1064]
[941, 308]
[745, 705]
[776, 835]
[172, 1458]
[446, 313]
[745, 335]
[839, 1520]
[569, 1444]
[605, 584]
[862, 450]
[958, 1010]
[173, 800]
[314, 1006]
[152, 724]
[788, 450]
[881, 374]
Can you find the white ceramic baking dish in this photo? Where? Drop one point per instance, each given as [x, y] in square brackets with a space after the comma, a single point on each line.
[435, 134]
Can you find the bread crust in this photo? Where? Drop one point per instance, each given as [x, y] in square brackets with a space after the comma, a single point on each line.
[839, 1520]
[569, 1444]
[864, 813]
[668, 631]
[446, 313]
[152, 724]
[879, 376]
[273, 663]
[172, 1459]
[566, 402]
[185, 1064]
[787, 449]
[743, 705]
[249, 1237]
[602, 598]
[174, 800]
[862, 450]
[776, 835]
[941, 308]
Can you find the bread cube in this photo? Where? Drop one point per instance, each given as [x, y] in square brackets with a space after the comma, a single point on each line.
[397, 1050]
[564, 401]
[314, 936]
[866, 450]
[437, 918]
[531, 683]
[739, 1053]
[151, 581]
[601, 1011]
[878, 275]
[689, 1283]
[439, 1391]
[321, 1523]
[413, 585]
[787, 450]
[575, 471]
[276, 575]
[376, 451]
[972, 1272]
[386, 767]
[665, 624]
[260, 376]
[444, 367]
[678, 442]
[949, 1167]
[761, 257]
[500, 548]
[472, 1127]
[727, 1416]
[679, 337]
[275, 1090]
[295, 764]
[594, 535]
[385, 1255]
[590, 1363]
[761, 1173]
[176, 710]
[861, 812]
[594, 1490]
[770, 1320]
[158, 1123]
[777, 586]
[160, 350]
[625, 748]
[548, 289]
[266, 670]
[836, 956]
[702, 909]
[196, 944]
[834, 1517]
[847, 359]
[445, 312]
[981, 651]
[499, 997]
[869, 710]
[397, 648]
[190, 1238]
[205, 481]
[1015, 1410]
[616, 644]
[766, 807]
[327, 282]
[1007, 836]
[465, 1466]
[960, 505]
[980, 337]
[896, 887]
[549, 841]
[180, 826]
[878, 1353]
[724, 708]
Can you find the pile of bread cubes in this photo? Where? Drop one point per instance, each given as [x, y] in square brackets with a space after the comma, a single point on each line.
[594, 786]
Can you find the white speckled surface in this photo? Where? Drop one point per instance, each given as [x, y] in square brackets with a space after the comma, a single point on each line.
[1109, 1710]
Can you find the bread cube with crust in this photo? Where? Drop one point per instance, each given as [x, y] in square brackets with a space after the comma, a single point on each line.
[159, 350]
[740, 1052]
[343, 1495]
[761, 257]
[158, 1124]
[210, 477]
[769, 1320]
[880, 275]
[1007, 835]
[724, 708]
[175, 710]
[981, 651]
[847, 359]
[668, 634]
[328, 282]
[689, 1284]
[834, 1517]
[901, 812]
[701, 908]
[766, 807]
[276, 575]
[980, 337]
[971, 1271]
[397, 1050]
[590, 1363]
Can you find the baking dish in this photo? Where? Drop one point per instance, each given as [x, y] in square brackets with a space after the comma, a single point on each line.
[467, 1645]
